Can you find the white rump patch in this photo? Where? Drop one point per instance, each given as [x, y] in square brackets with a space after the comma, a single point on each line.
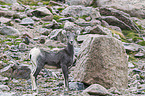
[35, 52]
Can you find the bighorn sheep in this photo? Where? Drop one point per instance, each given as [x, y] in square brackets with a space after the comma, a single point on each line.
[62, 59]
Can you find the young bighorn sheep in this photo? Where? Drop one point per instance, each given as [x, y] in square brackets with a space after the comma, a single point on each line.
[62, 59]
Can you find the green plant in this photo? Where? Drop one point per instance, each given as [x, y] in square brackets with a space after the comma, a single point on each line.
[3, 3]
[142, 43]
[56, 17]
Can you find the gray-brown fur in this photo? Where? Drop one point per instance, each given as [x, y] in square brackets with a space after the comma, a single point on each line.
[62, 59]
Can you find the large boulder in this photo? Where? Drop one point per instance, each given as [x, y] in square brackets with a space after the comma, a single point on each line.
[102, 60]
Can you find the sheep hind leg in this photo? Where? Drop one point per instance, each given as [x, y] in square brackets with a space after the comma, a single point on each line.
[34, 74]
[34, 86]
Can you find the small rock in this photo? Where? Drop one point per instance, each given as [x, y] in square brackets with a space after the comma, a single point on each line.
[4, 20]
[139, 55]
[42, 11]
[42, 40]
[27, 21]
[141, 87]
[130, 65]
[44, 31]
[47, 18]
[136, 70]
[8, 94]
[76, 86]
[88, 18]
[82, 22]
[3, 78]
[4, 87]
[100, 30]
[15, 81]
[96, 89]
[17, 20]
[81, 38]
[17, 7]
[114, 28]
[35, 18]
[71, 19]
[95, 22]
[117, 36]
[54, 33]
[79, 11]
[9, 1]
[71, 26]
[131, 47]
[114, 91]
[7, 30]
[22, 47]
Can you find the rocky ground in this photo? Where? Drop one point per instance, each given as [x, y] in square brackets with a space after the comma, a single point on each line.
[45, 24]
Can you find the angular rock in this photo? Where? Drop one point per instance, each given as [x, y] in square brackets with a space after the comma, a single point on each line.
[79, 2]
[120, 15]
[132, 47]
[27, 21]
[9, 1]
[3, 78]
[17, 7]
[79, 11]
[4, 87]
[139, 55]
[13, 71]
[76, 86]
[115, 28]
[7, 30]
[139, 22]
[111, 20]
[100, 30]
[130, 65]
[81, 38]
[54, 43]
[82, 22]
[22, 72]
[47, 18]
[4, 20]
[69, 26]
[97, 89]
[6, 13]
[19, 15]
[58, 35]
[45, 31]
[71, 19]
[42, 11]
[134, 8]
[8, 94]
[102, 60]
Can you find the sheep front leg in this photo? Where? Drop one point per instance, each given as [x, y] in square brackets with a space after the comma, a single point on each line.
[65, 74]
